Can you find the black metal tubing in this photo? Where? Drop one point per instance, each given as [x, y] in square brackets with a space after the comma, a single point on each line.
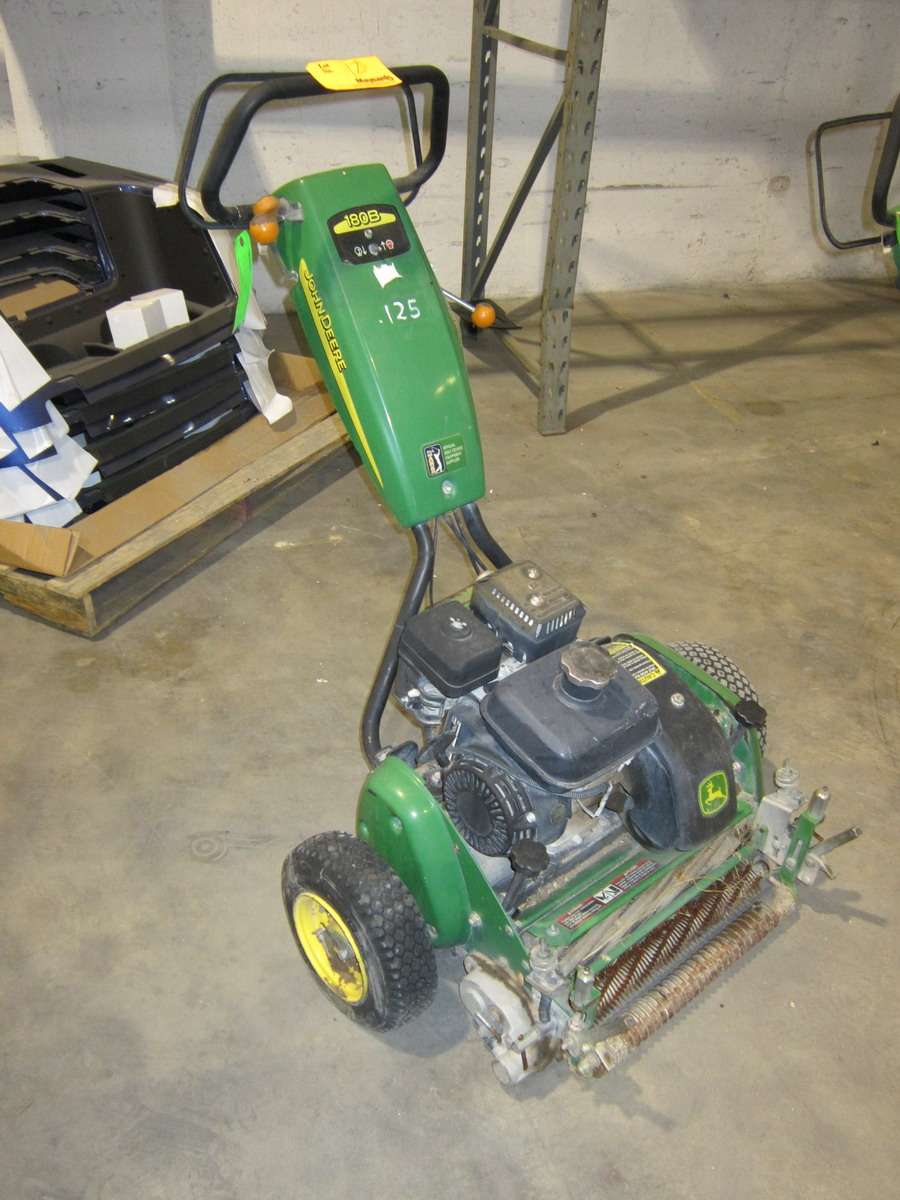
[887, 164]
[192, 137]
[384, 679]
[482, 536]
[820, 176]
[415, 137]
[281, 85]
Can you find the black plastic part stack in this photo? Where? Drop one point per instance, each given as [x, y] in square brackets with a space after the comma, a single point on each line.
[140, 410]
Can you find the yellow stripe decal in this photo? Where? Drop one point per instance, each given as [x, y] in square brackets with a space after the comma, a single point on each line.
[324, 325]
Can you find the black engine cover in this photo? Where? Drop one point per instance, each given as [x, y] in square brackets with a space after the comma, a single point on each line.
[565, 741]
[681, 788]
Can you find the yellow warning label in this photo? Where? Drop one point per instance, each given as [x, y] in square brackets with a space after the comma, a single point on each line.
[325, 328]
[352, 74]
[636, 661]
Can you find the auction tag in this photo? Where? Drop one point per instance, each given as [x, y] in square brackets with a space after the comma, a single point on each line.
[352, 74]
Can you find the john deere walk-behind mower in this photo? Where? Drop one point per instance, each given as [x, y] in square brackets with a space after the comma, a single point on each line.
[583, 819]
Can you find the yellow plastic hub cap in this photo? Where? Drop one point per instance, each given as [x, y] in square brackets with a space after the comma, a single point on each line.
[330, 948]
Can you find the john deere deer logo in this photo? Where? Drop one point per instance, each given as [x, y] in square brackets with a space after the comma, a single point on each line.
[712, 793]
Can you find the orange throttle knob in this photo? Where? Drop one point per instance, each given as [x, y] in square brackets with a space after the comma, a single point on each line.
[483, 315]
[264, 230]
[265, 206]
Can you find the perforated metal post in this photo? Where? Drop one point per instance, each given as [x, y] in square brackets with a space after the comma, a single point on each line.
[573, 122]
[573, 164]
[482, 89]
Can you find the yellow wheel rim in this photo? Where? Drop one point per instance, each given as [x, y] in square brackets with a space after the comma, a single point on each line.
[330, 948]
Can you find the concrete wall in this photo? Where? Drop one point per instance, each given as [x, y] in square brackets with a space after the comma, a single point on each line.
[700, 168]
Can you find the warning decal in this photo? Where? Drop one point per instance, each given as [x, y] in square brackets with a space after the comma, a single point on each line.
[614, 889]
[636, 660]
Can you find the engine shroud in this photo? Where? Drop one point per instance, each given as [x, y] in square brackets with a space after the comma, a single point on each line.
[566, 740]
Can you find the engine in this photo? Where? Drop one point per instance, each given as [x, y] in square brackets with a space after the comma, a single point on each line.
[524, 722]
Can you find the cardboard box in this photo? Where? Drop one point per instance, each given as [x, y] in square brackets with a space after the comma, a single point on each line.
[59, 552]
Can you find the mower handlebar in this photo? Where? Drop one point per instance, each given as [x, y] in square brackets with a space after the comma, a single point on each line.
[282, 85]
[887, 164]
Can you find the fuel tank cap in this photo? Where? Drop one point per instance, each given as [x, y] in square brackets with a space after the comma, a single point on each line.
[586, 670]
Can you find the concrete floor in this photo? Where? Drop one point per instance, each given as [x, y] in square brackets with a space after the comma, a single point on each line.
[733, 474]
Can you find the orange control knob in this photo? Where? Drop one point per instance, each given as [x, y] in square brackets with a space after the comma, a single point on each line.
[483, 315]
[265, 205]
[264, 230]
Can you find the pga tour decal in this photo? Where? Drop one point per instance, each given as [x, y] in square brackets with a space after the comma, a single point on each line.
[441, 457]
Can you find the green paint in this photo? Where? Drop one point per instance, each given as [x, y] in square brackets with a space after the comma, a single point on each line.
[802, 835]
[712, 793]
[401, 821]
[544, 919]
[750, 850]
[243, 255]
[398, 382]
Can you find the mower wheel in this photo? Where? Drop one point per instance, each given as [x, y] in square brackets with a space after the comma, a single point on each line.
[359, 930]
[721, 668]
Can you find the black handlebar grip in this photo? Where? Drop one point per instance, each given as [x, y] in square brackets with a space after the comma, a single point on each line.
[284, 86]
[887, 164]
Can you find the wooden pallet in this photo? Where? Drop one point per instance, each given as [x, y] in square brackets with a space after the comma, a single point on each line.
[92, 598]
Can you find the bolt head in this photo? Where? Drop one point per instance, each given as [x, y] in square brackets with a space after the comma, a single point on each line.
[677, 700]
[475, 920]
[447, 488]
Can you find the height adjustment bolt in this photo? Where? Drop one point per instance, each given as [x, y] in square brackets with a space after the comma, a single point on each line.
[786, 776]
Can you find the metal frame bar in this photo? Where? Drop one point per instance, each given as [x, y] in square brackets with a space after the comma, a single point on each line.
[480, 141]
[572, 124]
